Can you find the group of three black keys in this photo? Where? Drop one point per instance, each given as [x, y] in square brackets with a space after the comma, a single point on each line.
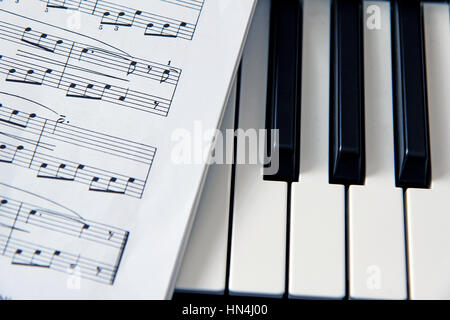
[347, 139]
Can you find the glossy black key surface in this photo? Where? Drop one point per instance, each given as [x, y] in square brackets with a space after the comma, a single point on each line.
[412, 146]
[284, 88]
[347, 145]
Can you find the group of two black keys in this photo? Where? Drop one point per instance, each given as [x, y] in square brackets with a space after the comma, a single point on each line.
[347, 138]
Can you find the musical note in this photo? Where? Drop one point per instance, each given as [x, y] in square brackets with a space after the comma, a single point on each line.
[41, 168]
[166, 30]
[31, 213]
[21, 77]
[120, 19]
[18, 252]
[37, 253]
[37, 42]
[73, 265]
[124, 96]
[79, 167]
[165, 76]
[16, 120]
[132, 67]
[84, 227]
[111, 181]
[9, 157]
[84, 93]
[20, 259]
[55, 254]
[110, 185]
[84, 51]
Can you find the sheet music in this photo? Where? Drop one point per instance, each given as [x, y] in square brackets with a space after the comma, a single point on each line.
[92, 203]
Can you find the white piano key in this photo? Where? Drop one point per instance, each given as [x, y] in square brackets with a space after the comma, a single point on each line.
[205, 260]
[317, 228]
[377, 257]
[258, 248]
[428, 211]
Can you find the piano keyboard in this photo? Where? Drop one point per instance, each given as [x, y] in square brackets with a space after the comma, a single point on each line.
[360, 206]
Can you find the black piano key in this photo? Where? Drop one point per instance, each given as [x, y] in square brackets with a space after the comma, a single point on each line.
[412, 145]
[347, 142]
[283, 90]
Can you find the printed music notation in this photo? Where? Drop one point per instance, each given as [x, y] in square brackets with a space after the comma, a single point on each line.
[86, 71]
[118, 16]
[38, 237]
[103, 162]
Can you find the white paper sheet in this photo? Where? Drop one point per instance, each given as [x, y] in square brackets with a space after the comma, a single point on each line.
[92, 204]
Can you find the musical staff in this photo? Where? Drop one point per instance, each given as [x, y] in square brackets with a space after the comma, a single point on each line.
[22, 72]
[100, 247]
[191, 4]
[84, 52]
[87, 71]
[30, 141]
[116, 15]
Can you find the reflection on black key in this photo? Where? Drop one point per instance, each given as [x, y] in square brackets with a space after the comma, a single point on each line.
[347, 152]
[284, 86]
[412, 147]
